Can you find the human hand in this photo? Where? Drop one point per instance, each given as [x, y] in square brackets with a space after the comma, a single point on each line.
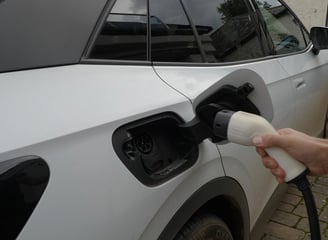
[312, 152]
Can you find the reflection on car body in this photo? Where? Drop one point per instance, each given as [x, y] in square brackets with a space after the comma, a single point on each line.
[105, 128]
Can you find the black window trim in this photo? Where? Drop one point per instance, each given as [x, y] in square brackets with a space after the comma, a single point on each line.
[187, 64]
[148, 33]
[264, 28]
[253, 60]
[194, 30]
[254, 20]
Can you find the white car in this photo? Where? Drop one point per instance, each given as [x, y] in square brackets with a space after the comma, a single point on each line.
[106, 108]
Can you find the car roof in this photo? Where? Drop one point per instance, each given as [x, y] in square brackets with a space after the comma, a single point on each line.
[39, 33]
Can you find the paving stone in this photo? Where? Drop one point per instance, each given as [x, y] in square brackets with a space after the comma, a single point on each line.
[323, 180]
[320, 199]
[290, 222]
[293, 190]
[312, 179]
[319, 188]
[285, 207]
[283, 232]
[291, 199]
[300, 210]
[324, 215]
[285, 218]
[304, 225]
[267, 237]
[325, 230]
[308, 237]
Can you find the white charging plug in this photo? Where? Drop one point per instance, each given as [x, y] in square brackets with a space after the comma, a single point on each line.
[241, 127]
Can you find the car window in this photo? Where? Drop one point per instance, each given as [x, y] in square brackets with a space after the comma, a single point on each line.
[124, 33]
[172, 37]
[226, 30]
[286, 33]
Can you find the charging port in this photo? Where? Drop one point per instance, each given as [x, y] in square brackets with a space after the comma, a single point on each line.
[153, 149]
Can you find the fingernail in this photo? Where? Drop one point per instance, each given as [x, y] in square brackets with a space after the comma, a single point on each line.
[257, 140]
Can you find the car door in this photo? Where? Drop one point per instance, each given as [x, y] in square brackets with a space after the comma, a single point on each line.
[306, 69]
[229, 40]
[308, 73]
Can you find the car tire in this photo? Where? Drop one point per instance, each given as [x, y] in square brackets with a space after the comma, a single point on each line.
[204, 226]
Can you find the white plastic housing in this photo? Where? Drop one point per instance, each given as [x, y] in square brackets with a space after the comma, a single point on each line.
[243, 127]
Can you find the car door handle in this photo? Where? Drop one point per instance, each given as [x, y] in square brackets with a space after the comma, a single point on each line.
[299, 83]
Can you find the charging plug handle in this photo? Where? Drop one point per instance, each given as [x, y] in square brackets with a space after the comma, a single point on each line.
[241, 127]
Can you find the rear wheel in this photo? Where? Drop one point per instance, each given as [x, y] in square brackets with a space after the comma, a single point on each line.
[204, 226]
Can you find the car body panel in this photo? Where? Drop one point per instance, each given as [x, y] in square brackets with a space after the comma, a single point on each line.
[60, 105]
[59, 101]
[307, 103]
[308, 74]
[66, 116]
[240, 162]
[100, 198]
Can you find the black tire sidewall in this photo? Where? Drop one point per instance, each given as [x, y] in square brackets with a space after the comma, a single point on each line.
[205, 227]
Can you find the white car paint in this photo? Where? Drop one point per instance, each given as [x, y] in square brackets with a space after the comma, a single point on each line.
[67, 115]
[309, 78]
[55, 100]
[279, 74]
[74, 131]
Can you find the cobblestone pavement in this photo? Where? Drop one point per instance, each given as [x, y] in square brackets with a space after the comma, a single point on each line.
[289, 221]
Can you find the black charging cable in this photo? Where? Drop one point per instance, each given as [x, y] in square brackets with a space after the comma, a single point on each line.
[304, 186]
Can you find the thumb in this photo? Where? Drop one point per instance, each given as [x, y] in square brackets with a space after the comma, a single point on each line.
[269, 140]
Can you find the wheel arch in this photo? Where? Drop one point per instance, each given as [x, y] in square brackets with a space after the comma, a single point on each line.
[23, 181]
[222, 196]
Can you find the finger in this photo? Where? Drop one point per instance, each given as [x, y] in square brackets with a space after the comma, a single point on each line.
[280, 180]
[279, 173]
[285, 131]
[269, 162]
[261, 152]
[290, 131]
[272, 140]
